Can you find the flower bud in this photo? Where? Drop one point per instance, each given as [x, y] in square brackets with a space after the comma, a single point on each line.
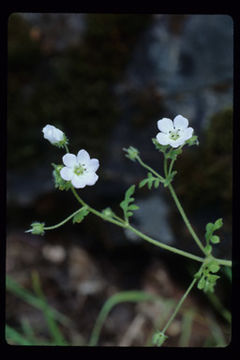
[37, 228]
[54, 136]
[132, 153]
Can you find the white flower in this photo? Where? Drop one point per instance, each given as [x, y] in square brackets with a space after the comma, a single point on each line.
[80, 169]
[54, 135]
[175, 132]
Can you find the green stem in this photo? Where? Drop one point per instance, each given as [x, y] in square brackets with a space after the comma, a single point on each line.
[178, 306]
[165, 167]
[149, 168]
[171, 166]
[165, 246]
[125, 296]
[125, 225]
[66, 148]
[95, 212]
[185, 219]
[62, 222]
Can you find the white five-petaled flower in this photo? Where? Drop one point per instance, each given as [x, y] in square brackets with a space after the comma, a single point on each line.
[80, 169]
[52, 134]
[175, 132]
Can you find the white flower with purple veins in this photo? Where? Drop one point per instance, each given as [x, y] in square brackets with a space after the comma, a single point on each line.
[52, 134]
[80, 169]
[175, 132]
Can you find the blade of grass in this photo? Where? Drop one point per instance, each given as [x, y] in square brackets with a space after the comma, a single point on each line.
[34, 301]
[57, 336]
[125, 296]
[186, 328]
[14, 337]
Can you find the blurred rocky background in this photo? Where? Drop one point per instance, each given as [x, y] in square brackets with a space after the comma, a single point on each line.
[105, 80]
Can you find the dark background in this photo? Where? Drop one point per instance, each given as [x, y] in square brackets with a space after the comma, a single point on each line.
[105, 80]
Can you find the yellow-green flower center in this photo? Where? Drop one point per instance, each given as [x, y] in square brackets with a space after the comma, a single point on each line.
[79, 170]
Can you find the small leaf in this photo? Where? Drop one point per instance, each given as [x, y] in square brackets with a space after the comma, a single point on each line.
[133, 207]
[169, 178]
[201, 283]
[129, 192]
[125, 203]
[218, 224]
[142, 183]
[215, 239]
[209, 227]
[213, 278]
[214, 267]
[156, 183]
[208, 249]
[80, 215]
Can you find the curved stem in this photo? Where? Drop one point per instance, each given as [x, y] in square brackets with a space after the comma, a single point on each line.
[62, 222]
[95, 212]
[125, 225]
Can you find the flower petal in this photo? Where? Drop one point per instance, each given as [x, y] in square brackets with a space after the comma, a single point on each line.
[90, 178]
[93, 165]
[66, 173]
[165, 125]
[180, 122]
[78, 181]
[176, 143]
[162, 138]
[187, 133]
[83, 157]
[69, 160]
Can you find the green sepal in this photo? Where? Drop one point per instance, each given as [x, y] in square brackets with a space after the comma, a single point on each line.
[192, 141]
[37, 228]
[132, 153]
[60, 183]
[159, 338]
[62, 143]
[173, 153]
[159, 147]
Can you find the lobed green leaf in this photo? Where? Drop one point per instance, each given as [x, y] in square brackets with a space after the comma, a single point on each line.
[83, 212]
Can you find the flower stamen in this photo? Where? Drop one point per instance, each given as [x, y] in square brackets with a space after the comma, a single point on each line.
[174, 135]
